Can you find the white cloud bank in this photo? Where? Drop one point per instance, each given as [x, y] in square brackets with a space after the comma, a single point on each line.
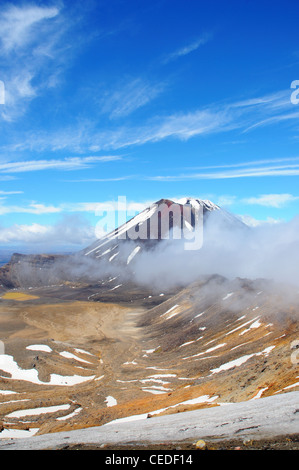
[269, 251]
[69, 230]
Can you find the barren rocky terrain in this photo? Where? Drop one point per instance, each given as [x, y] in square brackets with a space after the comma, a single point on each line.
[86, 343]
[74, 364]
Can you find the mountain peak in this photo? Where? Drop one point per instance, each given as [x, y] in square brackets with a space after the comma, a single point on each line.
[156, 223]
[194, 202]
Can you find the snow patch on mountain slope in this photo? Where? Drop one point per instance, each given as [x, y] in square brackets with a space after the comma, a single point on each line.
[134, 252]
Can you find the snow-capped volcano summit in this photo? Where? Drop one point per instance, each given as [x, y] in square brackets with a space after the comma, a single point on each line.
[162, 220]
[155, 223]
[208, 205]
[183, 225]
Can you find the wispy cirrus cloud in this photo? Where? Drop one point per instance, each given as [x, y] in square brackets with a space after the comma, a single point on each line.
[275, 167]
[129, 96]
[32, 53]
[279, 118]
[182, 126]
[86, 137]
[18, 25]
[242, 164]
[102, 180]
[191, 47]
[71, 163]
[9, 193]
[223, 117]
[95, 207]
[216, 118]
[271, 109]
[271, 200]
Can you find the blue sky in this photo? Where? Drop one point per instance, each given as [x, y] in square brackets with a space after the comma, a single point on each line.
[144, 100]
